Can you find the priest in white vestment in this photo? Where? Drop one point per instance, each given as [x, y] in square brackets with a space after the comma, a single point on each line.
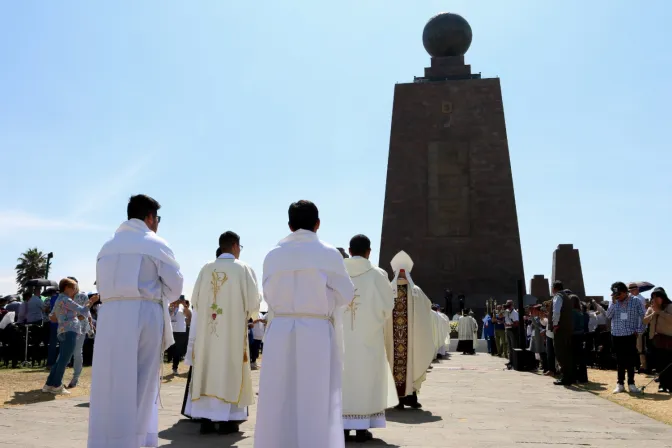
[368, 386]
[137, 277]
[446, 326]
[442, 331]
[409, 339]
[467, 328]
[305, 285]
[225, 296]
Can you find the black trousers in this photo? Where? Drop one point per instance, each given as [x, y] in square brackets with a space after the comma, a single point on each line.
[550, 355]
[512, 340]
[544, 361]
[562, 342]
[625, 348]
[664, 359]
[255, 345]
[579, 355]
[177, 350]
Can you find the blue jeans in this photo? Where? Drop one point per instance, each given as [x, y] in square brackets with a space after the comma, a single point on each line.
[53, 341]
[78, 362]
[68, 341]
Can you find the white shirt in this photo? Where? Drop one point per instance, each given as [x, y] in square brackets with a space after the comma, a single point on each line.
[258, 331]
[178, 320]
[510, 318]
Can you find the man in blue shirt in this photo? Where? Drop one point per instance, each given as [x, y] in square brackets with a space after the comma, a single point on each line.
[626, 315]
[489, 332]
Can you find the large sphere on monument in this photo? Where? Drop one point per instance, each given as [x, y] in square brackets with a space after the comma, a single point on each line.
[447, 34]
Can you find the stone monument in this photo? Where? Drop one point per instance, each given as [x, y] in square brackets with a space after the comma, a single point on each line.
[449, 199]
[540, 288]
[567, 268]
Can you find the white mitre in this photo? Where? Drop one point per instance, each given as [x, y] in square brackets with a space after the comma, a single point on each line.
[403, 261]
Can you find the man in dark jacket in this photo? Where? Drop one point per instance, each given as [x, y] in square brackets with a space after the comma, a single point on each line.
[563, 329]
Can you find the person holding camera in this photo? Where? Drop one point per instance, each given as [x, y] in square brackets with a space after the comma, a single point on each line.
[179, 314]
[68, 314]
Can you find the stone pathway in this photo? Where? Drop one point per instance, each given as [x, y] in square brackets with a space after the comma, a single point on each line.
[469, 401]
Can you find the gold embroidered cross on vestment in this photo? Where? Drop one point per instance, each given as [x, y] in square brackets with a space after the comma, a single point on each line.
[217, 280]
[352, 307]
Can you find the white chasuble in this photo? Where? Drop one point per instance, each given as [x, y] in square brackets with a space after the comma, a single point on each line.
[225, 296]
[439, 332]
[409, 339]
[368, 386]
[305, 285]
[445, 324]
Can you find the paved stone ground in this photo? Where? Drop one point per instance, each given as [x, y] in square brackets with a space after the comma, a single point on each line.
[469, 401]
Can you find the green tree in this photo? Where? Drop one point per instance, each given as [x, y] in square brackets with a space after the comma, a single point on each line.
[32, 264]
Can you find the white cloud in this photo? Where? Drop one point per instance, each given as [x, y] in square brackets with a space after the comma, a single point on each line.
[13, 220]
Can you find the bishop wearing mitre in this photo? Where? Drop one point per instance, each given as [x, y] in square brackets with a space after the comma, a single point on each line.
[225, 297]
[368, 386]
[409, 339]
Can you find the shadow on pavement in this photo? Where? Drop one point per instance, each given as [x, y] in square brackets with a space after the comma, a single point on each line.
[32, 396]
[411, 416]
[372, 442]
[185, 433]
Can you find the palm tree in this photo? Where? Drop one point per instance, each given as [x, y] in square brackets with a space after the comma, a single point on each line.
[32, 264]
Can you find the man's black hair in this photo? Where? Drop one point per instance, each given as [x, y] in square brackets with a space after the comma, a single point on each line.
[558, 286]
[141, 206]
[218, 252]
[303, 215]
[359, 245]
[227, 240]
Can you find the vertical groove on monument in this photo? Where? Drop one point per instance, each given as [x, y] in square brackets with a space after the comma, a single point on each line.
[449, 197]
[567, 268]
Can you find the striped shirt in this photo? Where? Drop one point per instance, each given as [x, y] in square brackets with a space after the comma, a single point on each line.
[626, 317]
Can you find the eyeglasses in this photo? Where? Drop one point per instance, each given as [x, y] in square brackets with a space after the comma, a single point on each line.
[241, 246]
[158, 218]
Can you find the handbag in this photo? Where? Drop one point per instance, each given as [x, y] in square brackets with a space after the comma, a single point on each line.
[661, 341]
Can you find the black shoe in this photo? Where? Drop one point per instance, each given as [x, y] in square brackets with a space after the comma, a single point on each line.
[228, 428]
[563, 383]
[207, 427]
[363, 436]
[399, 407]
[412, 401]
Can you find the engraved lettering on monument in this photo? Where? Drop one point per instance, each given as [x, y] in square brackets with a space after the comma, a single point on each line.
[448, 189]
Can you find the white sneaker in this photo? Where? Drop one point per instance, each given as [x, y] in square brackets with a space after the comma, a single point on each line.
[619, 389]
[633, 389]
[254, 366]
[47, 389]
[60, 390]
[175, 372]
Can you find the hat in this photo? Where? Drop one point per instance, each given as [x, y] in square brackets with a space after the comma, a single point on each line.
[633, 285]
[659, 291]
[617, 288]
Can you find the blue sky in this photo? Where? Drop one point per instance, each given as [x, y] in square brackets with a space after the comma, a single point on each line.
[228, 111]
